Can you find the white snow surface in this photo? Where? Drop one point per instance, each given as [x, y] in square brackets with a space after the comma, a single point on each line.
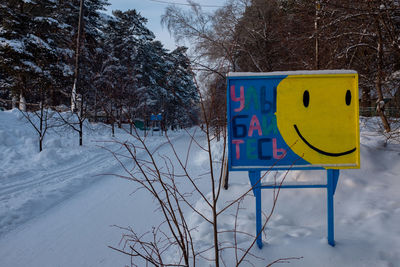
[58, 207]
[16, 45]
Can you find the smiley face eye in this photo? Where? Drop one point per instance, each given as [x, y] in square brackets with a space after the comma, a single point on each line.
[348, 97]
[306, 98]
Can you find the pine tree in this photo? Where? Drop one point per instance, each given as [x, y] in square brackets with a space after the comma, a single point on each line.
[32, 45]
[122, 73]
[183, 96]
[152, 71]
[93, 20]
[13, 37]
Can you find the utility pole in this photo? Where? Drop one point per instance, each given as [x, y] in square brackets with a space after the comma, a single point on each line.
[74, 94]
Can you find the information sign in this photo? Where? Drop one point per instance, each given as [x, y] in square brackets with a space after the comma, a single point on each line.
[297, 120]
[293, 120]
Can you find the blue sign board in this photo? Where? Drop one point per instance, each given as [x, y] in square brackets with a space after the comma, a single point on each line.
[293, 121]
[157, 117]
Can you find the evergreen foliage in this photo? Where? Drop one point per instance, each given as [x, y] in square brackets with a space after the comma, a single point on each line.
[122, 69]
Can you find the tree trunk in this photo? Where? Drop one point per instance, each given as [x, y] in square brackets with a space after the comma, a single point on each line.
[80, 132]
[120, 118]
[41, 126]
[75, 89]
[95, 105]
[81, 118]
[380, 108]
[14, 102]
[225, 174]
[316, 20]
[215, 230]
[22, 103]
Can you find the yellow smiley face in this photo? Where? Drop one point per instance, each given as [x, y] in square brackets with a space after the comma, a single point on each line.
[317, 116]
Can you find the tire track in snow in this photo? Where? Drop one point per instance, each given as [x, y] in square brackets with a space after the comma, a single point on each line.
[44, 177]
[30, 197]
[23, 201]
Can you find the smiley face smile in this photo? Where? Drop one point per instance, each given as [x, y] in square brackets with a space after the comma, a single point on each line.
[319, 150]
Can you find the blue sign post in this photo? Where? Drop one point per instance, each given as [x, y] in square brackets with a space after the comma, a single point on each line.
[156, 123]
[289, 121]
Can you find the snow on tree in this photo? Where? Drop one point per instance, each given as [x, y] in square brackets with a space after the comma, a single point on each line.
[119, 66]
[31, 46]
[183, 95]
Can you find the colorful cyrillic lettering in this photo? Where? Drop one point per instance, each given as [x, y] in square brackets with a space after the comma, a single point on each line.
[255, 125]
[260, 148]
[237, 142]
[268, 124]
[278, 153]
[252, 96]
[251, 149]
[239, 99]
[236, 126]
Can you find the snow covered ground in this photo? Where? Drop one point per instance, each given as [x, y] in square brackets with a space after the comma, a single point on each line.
[58, 208]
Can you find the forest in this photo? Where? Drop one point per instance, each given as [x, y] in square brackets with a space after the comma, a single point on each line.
[102, 67]
[283, 35]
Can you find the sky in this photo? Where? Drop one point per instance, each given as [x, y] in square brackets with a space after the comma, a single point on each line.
[153, 11]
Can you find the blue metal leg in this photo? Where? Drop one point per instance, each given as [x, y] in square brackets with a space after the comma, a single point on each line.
[333, 176]
[258, 217]
[255, 177]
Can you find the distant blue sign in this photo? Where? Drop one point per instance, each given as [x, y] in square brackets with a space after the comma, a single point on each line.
[157, 117]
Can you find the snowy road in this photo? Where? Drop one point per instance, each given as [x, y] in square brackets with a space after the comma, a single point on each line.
[63, 214]
[77, 231]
